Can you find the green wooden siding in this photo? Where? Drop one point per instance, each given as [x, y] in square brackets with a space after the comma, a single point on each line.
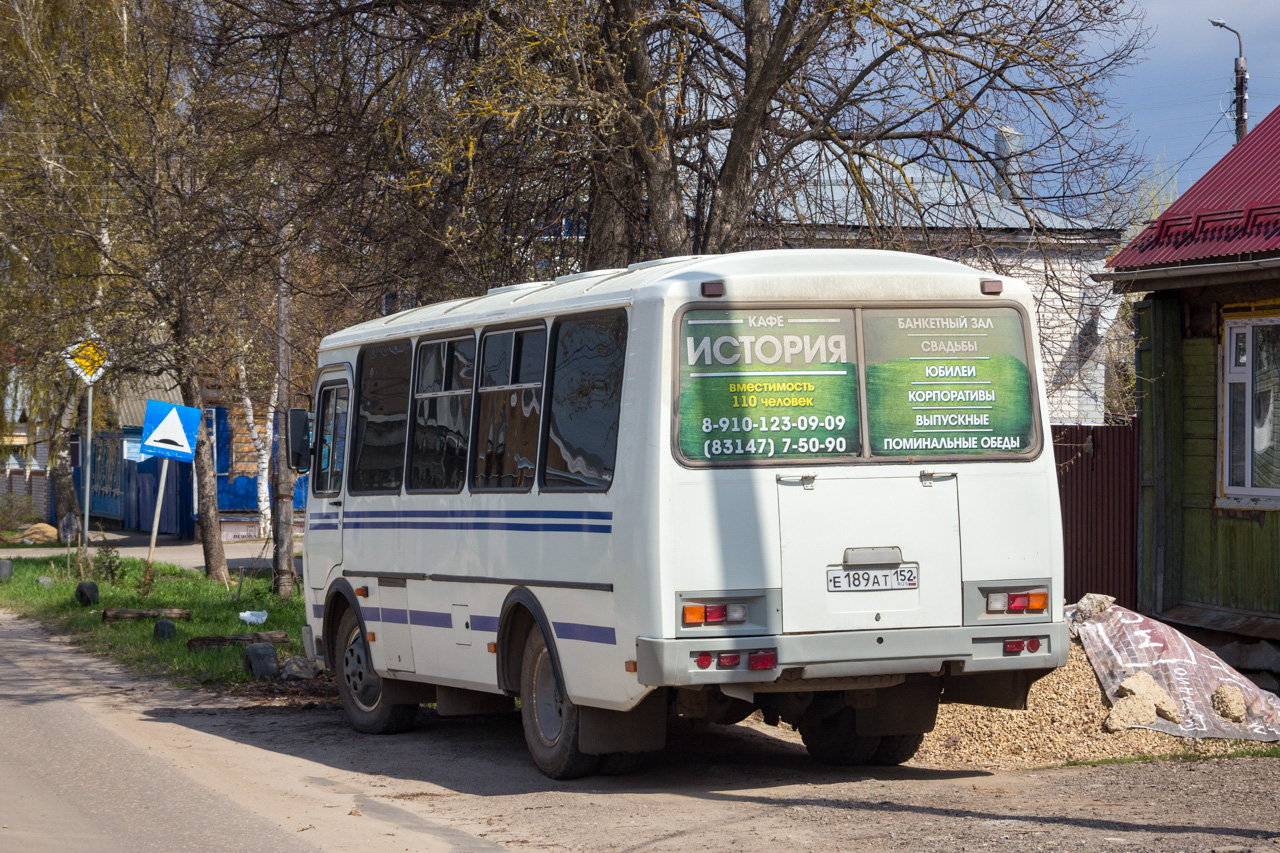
[1191, 551]
[1144, 369]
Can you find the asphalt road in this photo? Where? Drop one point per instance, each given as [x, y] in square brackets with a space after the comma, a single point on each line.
[67, 782]
[94, 759]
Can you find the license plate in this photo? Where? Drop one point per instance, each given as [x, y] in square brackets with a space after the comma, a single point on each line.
[872, 580]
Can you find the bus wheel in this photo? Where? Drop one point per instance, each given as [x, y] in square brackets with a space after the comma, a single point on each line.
[361, 688]
[834, 740]
[551, 720]
[895, 749]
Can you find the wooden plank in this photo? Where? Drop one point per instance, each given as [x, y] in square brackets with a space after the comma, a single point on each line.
[1200, 406]
[1167, 364]
[1247, 556]
[1199, 401]
[220, 640]
[1199, 429]
[1267, 585]
[1197, 540]
[1234, 551]
[1197, 446]
[1145, 370]
[1198, 474]
[1199, 350]
[124, 614]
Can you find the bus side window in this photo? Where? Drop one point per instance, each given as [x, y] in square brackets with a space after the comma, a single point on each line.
[509, 410]
[441, 415]
[382, 417]
[584, 402]
[331, 450]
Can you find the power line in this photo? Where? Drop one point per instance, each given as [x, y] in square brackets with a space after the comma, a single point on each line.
[1194, 152]
[1166, 85]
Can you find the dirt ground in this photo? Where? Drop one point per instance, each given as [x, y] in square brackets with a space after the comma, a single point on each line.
[468, 785]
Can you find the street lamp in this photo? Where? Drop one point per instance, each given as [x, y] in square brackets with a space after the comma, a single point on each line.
[1242, 78]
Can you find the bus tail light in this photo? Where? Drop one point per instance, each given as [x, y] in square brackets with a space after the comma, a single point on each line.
[1014, 647]
[718, 613]
[1030, 601]
[763, 660]
[703, 660]
[728, 660]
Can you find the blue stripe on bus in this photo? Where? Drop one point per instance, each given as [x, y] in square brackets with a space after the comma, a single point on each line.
[324, 527]
[589, 633]
[323, 515]
[394, 616]
[430, 618]
[479, 513]
[477, 525]
[489, 624]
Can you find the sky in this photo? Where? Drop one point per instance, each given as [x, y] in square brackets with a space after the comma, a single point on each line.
[1179, 101]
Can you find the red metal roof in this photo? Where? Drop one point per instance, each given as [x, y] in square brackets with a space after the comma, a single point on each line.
[1233, 210]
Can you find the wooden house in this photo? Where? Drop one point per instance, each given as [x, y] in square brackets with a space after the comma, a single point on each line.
[1208, 371]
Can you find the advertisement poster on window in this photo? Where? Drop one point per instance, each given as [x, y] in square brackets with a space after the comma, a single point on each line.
[777, 384]
[947, 381]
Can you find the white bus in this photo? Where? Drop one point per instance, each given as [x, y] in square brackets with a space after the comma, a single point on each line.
[816, 483]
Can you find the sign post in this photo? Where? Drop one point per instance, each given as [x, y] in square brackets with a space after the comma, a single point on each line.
[168, 431]
[88, 360]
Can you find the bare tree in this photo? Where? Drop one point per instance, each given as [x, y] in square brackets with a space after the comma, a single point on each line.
[148, 169]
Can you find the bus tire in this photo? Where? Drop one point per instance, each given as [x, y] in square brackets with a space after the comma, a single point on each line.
[895, 749]
[360, 688]
[833, 739]
[551, 721]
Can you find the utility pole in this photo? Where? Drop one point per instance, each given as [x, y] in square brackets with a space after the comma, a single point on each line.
[1242, 82]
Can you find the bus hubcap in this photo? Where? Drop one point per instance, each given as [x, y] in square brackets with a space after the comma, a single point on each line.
[361, 682]
[546, 701]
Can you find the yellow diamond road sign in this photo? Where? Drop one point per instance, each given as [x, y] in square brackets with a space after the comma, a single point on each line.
[88, 359]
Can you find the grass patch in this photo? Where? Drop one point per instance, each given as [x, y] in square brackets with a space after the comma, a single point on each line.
[213, 611]
[1262, 750]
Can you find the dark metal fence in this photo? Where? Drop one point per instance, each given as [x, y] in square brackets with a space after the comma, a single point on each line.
[1098, 484]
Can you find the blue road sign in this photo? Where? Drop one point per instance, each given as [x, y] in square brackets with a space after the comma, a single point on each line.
[169, 431]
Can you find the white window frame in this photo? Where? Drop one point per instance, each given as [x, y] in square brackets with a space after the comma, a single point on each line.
[1235, 333]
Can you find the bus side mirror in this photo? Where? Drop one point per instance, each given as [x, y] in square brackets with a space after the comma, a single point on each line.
[298, 440]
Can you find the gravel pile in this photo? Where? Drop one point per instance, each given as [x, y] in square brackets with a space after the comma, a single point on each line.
[1063, 722]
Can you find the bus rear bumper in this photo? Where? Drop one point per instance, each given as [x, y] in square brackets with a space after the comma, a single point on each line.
[851, 654]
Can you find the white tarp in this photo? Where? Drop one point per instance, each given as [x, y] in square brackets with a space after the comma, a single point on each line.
[1120, 643]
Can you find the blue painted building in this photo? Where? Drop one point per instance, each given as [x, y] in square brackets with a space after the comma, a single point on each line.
[124, 483]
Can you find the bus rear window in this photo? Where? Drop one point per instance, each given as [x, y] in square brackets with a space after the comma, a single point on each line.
[769, 384]
[947, 381]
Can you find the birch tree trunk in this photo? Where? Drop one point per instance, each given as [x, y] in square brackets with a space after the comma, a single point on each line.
[262, 441]
[64, 487]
